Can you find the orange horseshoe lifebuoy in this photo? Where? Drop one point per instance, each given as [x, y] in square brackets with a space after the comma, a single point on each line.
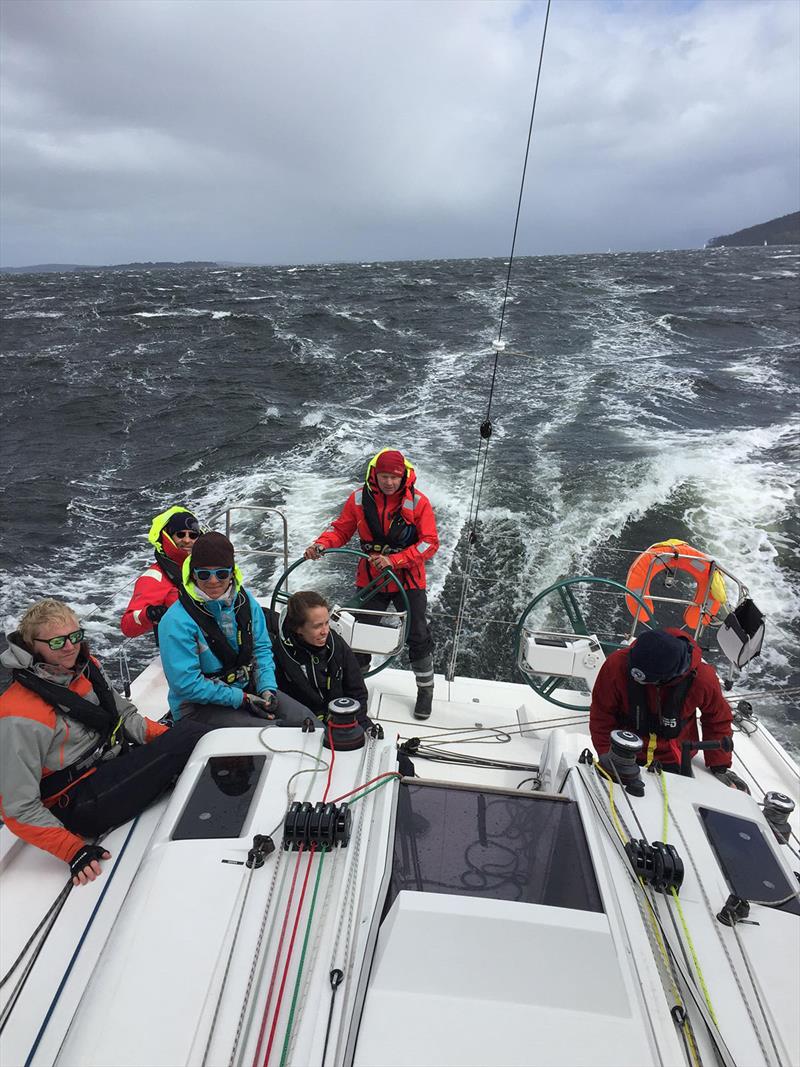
[677, 555]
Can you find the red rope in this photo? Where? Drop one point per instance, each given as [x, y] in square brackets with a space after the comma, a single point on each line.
[277, 959]
[330, 765]
[358, 788]
[289, 955]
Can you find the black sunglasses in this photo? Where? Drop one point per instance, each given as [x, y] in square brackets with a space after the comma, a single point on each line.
[220, 573]
[186, 533]
[57, 643]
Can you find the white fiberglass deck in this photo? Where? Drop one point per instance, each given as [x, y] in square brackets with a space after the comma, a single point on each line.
[444, 978]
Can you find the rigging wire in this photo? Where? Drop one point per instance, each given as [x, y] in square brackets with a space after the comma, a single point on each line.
[486, 425]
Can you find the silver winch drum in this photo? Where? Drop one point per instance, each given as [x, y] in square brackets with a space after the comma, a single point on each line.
[626, 743]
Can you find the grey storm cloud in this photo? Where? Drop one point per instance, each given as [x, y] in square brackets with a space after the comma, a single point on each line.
[314, 131]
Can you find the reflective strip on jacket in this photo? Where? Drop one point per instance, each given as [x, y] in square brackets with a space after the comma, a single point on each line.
[415, 508]
[152, 589]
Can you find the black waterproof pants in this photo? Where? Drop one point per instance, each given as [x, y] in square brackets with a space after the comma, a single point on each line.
[420, 639]
[121, 788]
[290, 712]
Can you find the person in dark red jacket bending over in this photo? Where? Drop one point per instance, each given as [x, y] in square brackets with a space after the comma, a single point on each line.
[397, 528]
[172, 535]
[655, 688]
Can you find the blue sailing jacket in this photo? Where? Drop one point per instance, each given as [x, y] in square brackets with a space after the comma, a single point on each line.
[187, 659]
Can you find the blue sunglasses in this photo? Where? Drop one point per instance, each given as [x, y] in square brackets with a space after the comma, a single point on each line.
[204, 573]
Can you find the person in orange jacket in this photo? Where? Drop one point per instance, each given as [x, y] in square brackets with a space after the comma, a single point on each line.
[654, 689]
[396, 527]
[76, 757]
[172, 535]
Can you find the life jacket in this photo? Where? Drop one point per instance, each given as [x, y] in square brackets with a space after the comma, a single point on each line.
[315, 674]
[666, 721]
[169, 566]
[103, 718]
[321, 670]
[237, 664]
[401, 533]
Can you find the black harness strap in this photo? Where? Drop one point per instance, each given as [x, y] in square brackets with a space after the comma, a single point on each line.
[173, 570]
[102, 717]
[666, 721]
[232, 661]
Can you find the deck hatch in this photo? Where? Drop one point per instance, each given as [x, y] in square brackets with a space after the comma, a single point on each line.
[747, 861]
[220, 801]
[497, 845]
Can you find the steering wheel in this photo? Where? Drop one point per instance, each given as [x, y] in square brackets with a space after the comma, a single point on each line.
[546, 687]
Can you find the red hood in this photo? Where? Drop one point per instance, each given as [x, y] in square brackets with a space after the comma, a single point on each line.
[406, 485]
[169, 548]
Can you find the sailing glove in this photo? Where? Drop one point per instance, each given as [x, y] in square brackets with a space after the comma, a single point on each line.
[259, 706]
[730, 778]
[85, 856]
[155, 612]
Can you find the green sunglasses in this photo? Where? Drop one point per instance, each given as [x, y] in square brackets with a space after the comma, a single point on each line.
[56, 643]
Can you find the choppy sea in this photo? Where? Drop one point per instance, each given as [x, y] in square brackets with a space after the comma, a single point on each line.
[646, 396]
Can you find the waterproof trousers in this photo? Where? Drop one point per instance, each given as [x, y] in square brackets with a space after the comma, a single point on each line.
[214, 716]
[420, 639]
[122, 787]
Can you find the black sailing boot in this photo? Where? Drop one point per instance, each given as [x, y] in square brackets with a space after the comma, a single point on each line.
[423, 672]
[422, 708]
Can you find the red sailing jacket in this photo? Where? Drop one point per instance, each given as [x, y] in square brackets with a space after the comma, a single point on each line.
[152, 588]
[413, 507]
[610, 705]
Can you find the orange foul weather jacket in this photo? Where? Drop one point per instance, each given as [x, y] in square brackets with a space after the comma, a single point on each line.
[37, 740]
[406, 517]
[668, 711]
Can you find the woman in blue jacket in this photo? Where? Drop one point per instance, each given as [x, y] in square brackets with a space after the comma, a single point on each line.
[215, 648]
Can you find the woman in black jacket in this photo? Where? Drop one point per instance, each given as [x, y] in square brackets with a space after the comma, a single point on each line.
[314, 664]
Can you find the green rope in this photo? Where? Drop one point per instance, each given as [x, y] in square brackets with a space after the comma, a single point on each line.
[295, 994]
[376, 786]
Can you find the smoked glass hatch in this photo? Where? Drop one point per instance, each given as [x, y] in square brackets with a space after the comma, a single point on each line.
[748, 862]
[220, 801]
[482, 843]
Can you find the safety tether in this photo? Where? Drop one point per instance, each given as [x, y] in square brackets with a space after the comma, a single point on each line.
[486, 425]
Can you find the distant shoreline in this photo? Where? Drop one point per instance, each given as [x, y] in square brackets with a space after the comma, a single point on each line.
[729, 241]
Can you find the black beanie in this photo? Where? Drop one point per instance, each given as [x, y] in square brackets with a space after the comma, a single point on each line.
[183, 520]
[212, 550]
[658, 656]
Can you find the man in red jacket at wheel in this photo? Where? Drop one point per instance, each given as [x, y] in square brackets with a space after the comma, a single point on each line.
[654, 689]
[397, 528]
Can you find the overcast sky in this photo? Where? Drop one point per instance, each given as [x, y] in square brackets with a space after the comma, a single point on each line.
[309, 131]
